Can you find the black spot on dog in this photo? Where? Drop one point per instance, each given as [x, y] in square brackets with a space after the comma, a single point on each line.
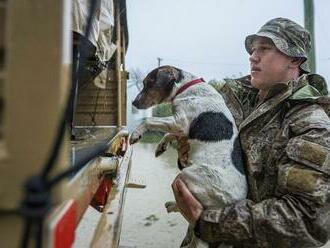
[237, 156]
[211, 126]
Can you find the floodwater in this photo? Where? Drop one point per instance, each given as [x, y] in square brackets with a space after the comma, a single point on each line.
[146, 222]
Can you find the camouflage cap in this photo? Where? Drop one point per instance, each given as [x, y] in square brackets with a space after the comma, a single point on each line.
[289, 37]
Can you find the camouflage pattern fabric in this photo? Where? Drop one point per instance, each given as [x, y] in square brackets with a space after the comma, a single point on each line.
[289, 37]
[286, 141]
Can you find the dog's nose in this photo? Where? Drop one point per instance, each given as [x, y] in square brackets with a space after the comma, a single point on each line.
[135, 103]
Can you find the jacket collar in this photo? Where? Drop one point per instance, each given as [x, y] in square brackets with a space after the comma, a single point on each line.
[307, 86]
[281, 92]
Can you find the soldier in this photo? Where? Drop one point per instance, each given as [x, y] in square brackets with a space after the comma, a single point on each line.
[280, 110]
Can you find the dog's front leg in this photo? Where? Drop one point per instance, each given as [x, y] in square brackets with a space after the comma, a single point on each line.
[161, 124]
[162, 145]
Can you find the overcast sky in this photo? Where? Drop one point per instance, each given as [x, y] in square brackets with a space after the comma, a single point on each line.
[207, 37]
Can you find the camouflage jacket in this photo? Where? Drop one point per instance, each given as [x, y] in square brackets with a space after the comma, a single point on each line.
[286, 141]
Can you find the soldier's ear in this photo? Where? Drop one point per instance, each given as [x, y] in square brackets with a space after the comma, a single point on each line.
[296, 62]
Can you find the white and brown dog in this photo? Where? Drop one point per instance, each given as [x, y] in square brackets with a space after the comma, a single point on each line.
[215, 176]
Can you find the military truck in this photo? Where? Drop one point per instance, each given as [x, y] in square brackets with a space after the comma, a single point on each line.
[63, 143]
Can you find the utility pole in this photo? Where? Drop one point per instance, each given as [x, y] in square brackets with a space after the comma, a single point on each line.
[159, 60]
[309, 25]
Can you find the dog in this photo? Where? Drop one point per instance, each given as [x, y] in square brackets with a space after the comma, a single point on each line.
[215, 173]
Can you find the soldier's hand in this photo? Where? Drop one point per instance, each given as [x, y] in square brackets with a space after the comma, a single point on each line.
[189, 206]
[183, 151]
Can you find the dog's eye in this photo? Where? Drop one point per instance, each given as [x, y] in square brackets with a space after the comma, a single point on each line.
[150, 82]
[146, 82]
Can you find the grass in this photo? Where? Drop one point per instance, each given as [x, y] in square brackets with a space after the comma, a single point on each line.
[155, 137]
[152, 137]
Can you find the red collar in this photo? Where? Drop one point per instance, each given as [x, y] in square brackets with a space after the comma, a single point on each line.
[187, 85]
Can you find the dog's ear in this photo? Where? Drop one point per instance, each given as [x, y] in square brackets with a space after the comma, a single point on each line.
[169, 74]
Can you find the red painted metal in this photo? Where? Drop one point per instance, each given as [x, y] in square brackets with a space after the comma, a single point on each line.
[100, 198]
[64, 227]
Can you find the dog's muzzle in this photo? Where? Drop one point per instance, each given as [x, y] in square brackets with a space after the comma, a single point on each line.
[139, 104]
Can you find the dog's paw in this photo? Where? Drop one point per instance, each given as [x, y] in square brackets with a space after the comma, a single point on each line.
[184, 163]
[135, 137]
[171, 207]
[161, 148]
